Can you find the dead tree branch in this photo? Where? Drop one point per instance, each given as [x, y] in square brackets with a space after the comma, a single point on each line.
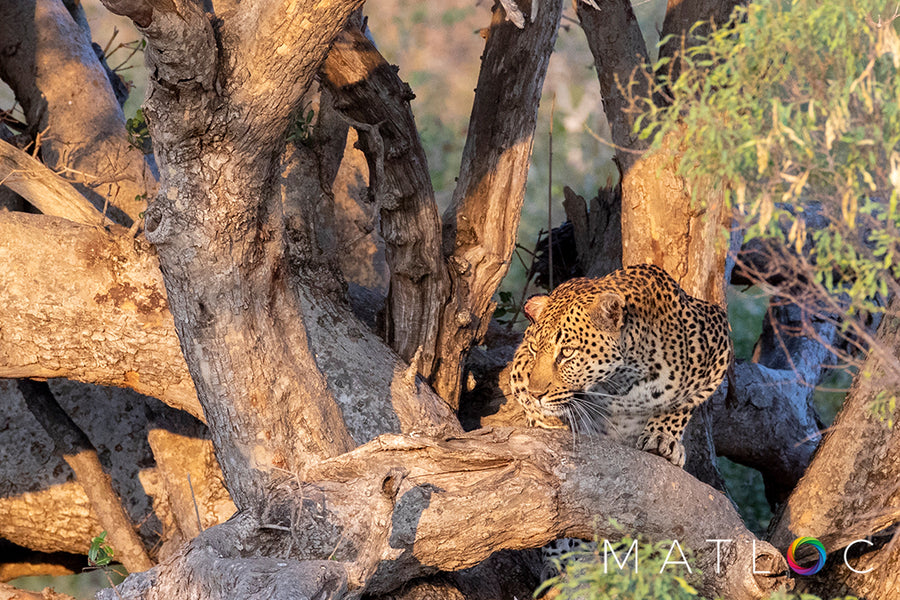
[44, 189]
[401, 507]
[367, 89]
[104, 317]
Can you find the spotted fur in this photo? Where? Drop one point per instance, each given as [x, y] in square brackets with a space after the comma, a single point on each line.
[628, 356]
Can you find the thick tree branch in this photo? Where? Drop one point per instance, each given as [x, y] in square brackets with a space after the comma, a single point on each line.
[668, 225]
[682, 15]
[218, 225]
[774, 401]
[401, 507]
[377, 391]
[82, 127]
[103, 316]
[482, 221]
[621, 61]
[598, 231]
[367, 89]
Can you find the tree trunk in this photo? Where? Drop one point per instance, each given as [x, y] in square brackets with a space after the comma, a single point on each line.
[481, 223]
[283, 371]
[849, 491]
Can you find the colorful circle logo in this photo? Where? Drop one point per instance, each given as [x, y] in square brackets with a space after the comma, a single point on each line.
[820, 549]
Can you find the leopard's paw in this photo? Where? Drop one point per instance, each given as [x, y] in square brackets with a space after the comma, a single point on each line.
[663, 444]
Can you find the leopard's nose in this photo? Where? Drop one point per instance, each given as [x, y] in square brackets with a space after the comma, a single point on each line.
[538, 389]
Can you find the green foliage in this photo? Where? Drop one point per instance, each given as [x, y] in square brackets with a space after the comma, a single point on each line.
[586, 578]
[884, 406]
[301, 127]
[100, 553]
[138, 134]
[793, 108]
[507, 308]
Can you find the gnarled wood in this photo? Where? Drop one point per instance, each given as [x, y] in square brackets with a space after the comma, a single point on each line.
[401, 507]
[367, 90]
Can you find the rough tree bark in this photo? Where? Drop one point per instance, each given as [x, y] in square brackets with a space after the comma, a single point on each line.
[481, 223]
[421, 505]
[104, 317]
[663, 222]
[850, 490]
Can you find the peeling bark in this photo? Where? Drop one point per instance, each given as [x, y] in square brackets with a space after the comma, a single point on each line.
[665, 224]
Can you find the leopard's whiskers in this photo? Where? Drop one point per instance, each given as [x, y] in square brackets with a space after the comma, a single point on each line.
[596, 409]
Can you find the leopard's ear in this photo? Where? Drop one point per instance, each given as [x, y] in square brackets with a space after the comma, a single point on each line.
[606, 312]
[534, 306]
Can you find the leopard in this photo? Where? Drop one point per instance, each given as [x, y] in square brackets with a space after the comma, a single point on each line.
[628, 357]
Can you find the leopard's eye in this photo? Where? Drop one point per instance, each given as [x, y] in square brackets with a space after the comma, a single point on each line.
[532, 347]
[566, 352]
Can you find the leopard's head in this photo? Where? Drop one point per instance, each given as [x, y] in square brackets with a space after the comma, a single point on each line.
[571, 346]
